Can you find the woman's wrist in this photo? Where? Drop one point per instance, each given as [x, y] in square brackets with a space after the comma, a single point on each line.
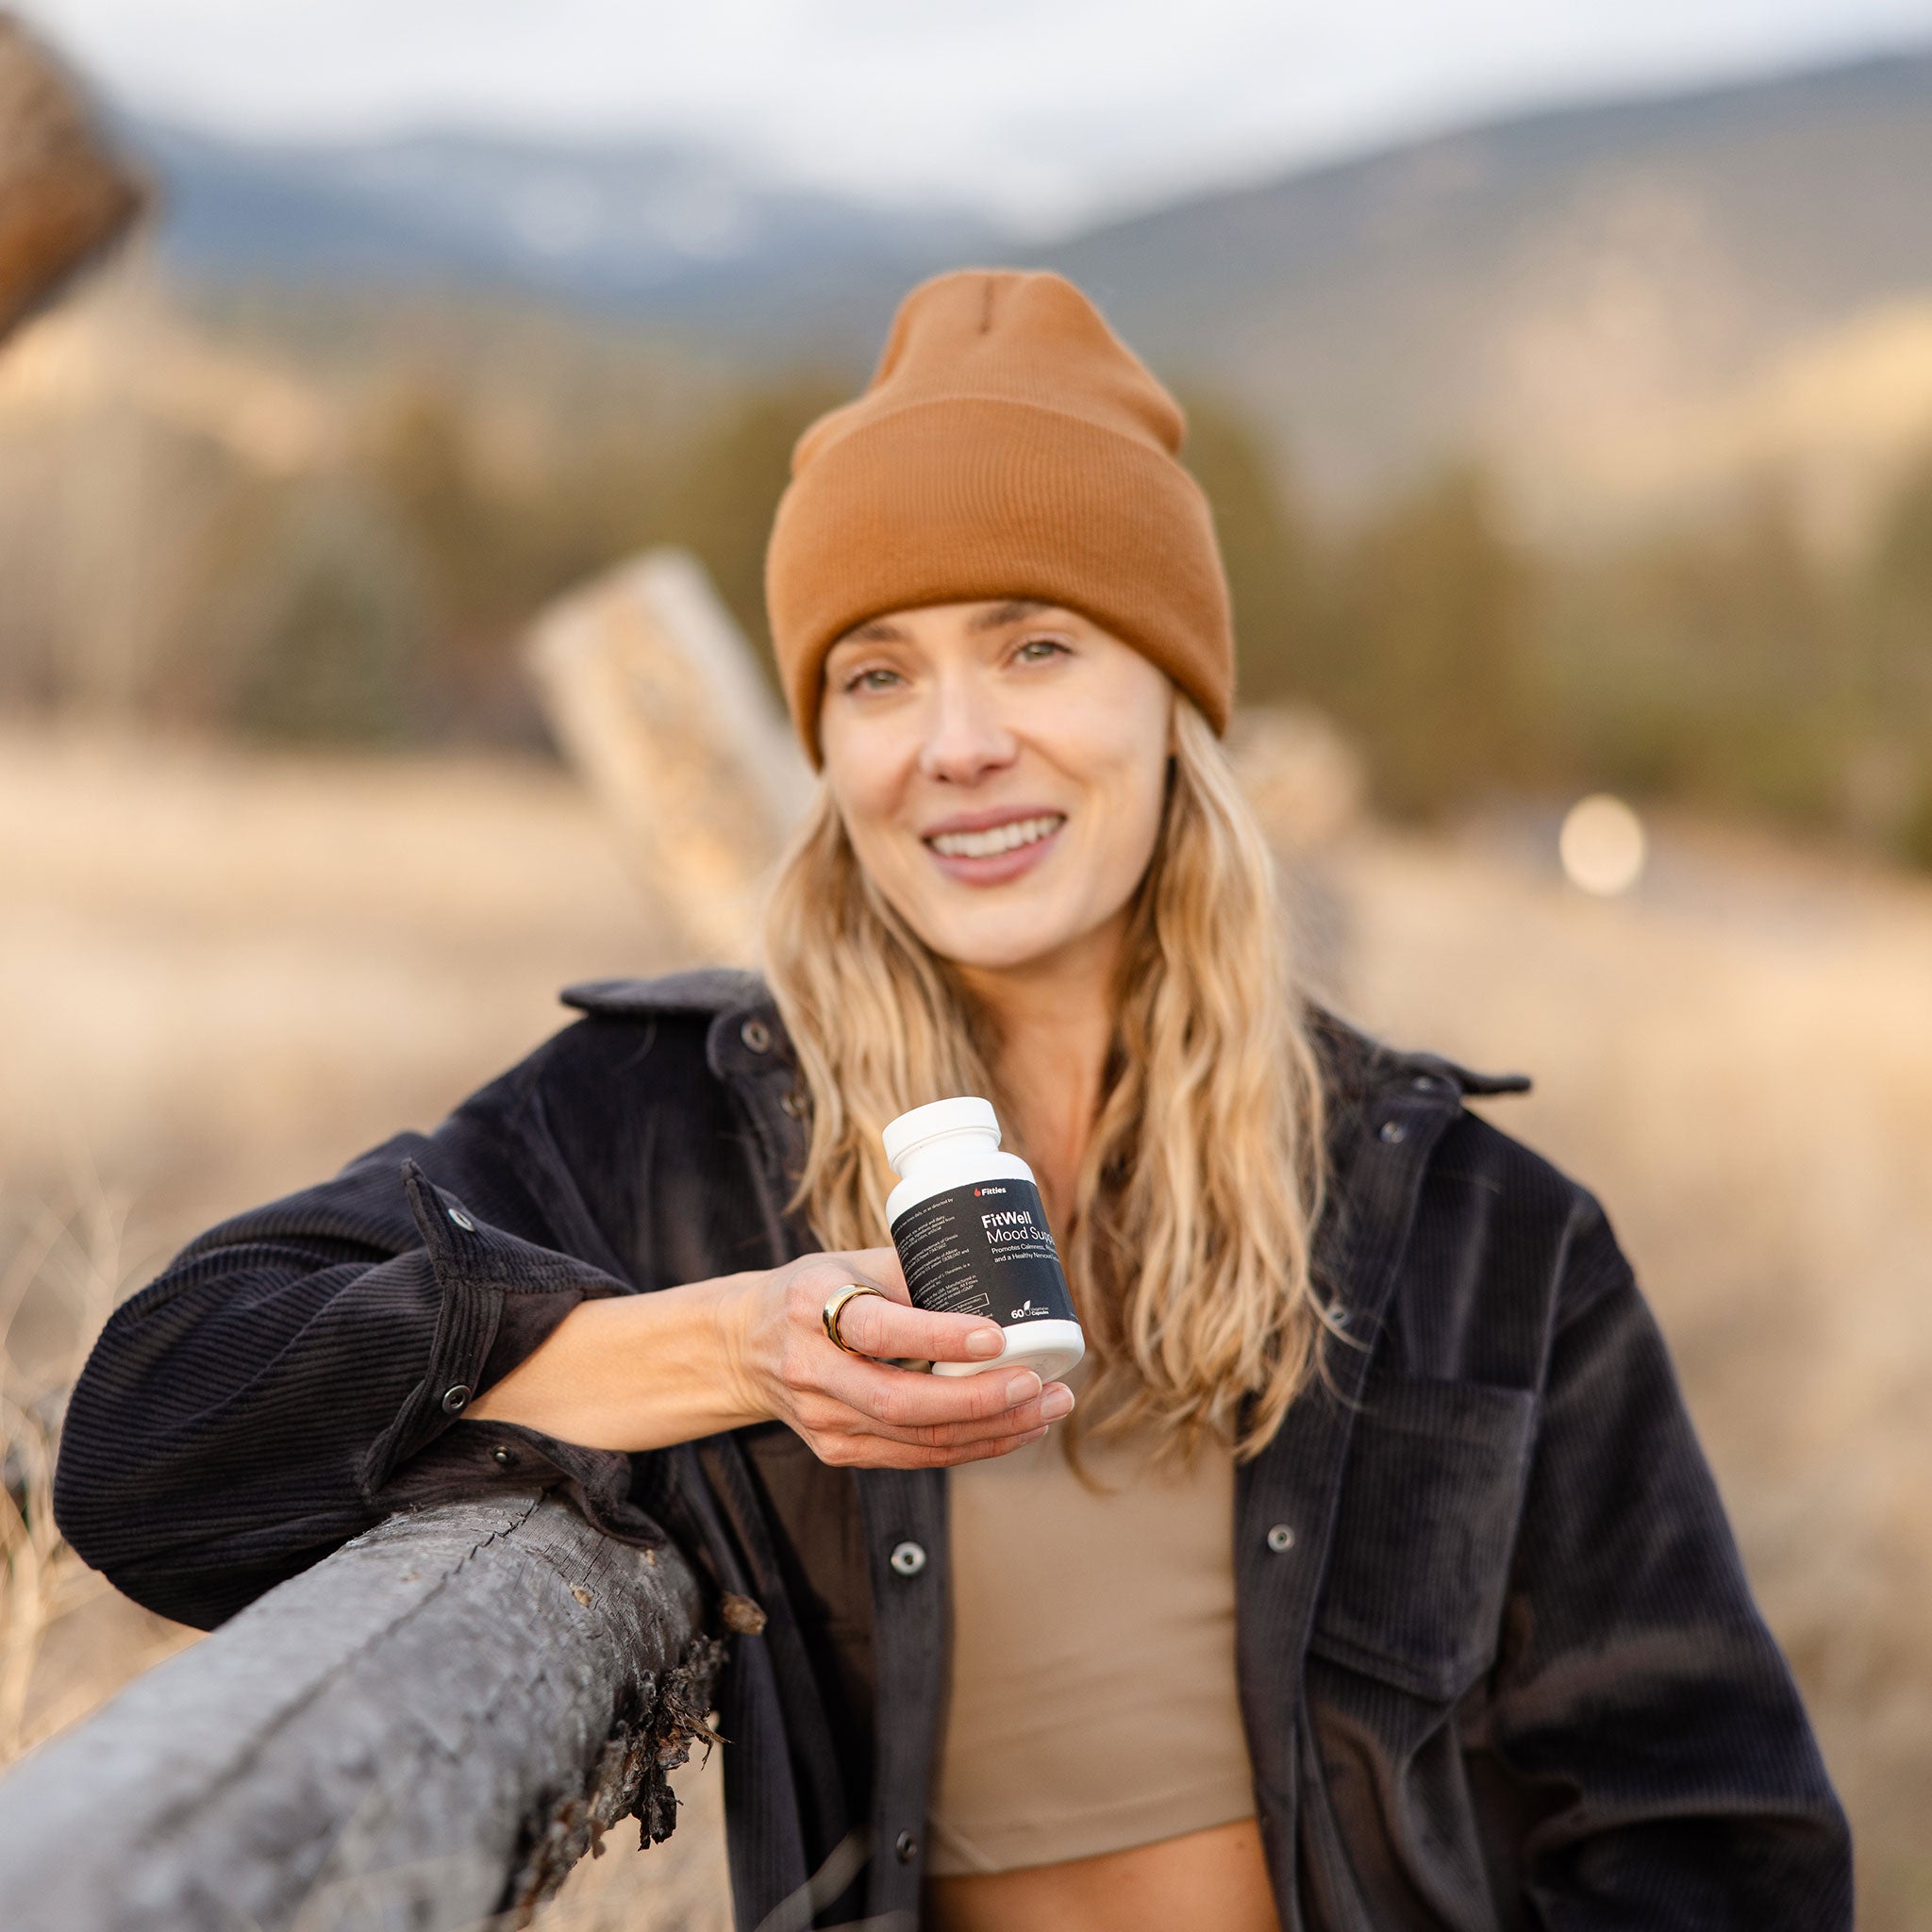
[636, 1372]
[730, 1301]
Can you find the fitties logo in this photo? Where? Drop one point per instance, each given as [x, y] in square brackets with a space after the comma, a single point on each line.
[988, 1191]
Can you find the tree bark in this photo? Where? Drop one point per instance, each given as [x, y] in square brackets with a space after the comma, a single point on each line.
[428, 1728]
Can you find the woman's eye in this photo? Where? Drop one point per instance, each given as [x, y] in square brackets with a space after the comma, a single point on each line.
[858, 680]
[1043, 647]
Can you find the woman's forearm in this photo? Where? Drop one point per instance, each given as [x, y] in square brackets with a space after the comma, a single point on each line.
[634, 1372]
[644, 1371]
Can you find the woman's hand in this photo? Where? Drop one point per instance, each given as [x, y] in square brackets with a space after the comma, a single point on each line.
[642, 1371]
[859, 1409]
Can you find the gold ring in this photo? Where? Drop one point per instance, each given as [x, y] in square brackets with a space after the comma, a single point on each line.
[835, 1307]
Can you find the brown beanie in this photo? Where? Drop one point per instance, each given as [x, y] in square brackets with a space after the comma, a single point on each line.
[1008, 445]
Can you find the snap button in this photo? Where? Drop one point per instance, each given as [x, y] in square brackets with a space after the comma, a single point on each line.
[793, 1103]
[908, 1559]
[1280, 1538]
[755, 1034]
[906, 1846]
[500, 1454]
[456, 1398]
[1393, 1131]
[462, 1221]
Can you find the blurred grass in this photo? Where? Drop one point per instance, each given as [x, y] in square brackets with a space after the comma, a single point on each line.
[61, 1630]
[225, 972]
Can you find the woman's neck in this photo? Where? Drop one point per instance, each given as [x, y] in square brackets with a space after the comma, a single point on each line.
[1054, 1022]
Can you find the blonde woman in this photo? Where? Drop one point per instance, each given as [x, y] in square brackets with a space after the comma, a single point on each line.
[1368, 1576]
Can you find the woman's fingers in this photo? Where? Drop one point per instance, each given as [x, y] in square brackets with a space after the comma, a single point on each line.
[829, 1419]
[933, 1412]
[886, 1325]
[906, 1456]
[903, 1399]
[879, 1266]
[1053, 1402]
[855, 1407]
[892, 1331]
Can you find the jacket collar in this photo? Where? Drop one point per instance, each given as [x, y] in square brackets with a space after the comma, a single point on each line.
[745, 1031]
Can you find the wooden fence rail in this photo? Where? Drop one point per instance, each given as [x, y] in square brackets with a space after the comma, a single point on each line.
[426, 1730]
[64, 196]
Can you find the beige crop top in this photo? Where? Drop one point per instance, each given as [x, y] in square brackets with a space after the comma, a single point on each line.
[1091, 1701]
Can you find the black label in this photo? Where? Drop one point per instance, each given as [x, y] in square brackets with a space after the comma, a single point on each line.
[984, 1249]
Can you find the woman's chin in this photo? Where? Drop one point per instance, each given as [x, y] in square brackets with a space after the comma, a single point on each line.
[995, 945]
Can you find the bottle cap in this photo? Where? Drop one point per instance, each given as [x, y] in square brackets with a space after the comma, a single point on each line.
[966, 1112]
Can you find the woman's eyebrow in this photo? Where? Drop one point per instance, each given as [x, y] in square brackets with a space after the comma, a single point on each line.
[880, 630]
[875, 632]
[1009, 612]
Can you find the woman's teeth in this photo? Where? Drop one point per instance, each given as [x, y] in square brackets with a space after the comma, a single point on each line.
[998, 839]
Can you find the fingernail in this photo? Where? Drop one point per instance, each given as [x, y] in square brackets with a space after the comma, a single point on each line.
[1021, 1389]
[986, 1342]
[1055, 1403]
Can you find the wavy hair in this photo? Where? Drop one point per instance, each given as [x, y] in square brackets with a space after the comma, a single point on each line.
[1189, 1246]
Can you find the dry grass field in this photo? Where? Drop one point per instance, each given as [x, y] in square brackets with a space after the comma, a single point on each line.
[221, 975]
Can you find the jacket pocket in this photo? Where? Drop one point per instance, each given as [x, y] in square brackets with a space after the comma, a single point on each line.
[1421, 1552]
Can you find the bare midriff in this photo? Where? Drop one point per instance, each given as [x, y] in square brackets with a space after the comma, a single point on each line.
[1204, 1881]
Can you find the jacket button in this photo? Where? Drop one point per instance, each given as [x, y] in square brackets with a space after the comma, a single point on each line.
[500, 1454]
[908, 1559]
[755, 1034]
[462, 1220]
[456, 1398]
[1393, 1131]
[793, 1103]
[906, 1846]
[1280, 1538]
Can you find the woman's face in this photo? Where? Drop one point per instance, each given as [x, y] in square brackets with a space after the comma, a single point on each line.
[1000, 769]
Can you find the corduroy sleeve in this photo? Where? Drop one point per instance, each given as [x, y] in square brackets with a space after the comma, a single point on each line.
[1640, 1707]
[295, 1373]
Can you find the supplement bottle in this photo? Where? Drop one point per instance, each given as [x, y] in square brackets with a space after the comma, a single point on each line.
[973, 1238]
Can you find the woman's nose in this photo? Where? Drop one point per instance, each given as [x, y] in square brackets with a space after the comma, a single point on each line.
[965, 736]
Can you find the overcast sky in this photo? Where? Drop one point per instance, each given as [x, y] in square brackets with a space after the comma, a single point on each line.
[1042, 111]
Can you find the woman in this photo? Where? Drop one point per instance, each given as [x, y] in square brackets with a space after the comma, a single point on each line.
[1391, 1590]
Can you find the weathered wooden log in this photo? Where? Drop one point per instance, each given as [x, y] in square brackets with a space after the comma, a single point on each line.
[63, 196]
[652, 692]
[428, 1728]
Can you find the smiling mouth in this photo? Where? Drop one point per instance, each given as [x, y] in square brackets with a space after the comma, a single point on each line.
[998, 839]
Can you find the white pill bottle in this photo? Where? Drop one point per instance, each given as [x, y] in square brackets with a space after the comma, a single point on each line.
[972, 1236]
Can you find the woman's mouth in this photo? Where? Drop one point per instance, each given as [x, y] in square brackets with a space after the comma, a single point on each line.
[994, 854]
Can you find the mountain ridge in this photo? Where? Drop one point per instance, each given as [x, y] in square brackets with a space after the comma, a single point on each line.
[1533, 287]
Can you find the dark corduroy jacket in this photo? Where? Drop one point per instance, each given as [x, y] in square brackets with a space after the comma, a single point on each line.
[1499, 1664]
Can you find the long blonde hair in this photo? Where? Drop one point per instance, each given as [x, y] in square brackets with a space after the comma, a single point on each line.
[1191, 1241]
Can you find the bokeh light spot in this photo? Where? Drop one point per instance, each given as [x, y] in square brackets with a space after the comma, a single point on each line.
[1602, 846]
